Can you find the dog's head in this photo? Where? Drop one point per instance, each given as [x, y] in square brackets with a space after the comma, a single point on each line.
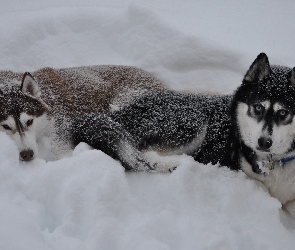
[264, 108]
[23, 116]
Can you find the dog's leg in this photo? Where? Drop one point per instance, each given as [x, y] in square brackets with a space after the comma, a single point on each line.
[131, 158]
[101, 132]
[251, 157]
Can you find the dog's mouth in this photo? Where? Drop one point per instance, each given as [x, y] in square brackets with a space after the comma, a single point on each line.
[26, 160]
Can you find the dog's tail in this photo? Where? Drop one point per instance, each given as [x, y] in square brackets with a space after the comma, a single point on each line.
[102, 132]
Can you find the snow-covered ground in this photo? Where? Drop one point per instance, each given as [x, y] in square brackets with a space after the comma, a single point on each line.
[87, 201]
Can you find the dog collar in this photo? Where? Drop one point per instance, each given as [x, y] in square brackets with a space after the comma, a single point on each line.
[287, 159]
[271, 164]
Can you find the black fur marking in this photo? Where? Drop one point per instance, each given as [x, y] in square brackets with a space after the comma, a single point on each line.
[19, 125]
[251, 157]
[15, 102]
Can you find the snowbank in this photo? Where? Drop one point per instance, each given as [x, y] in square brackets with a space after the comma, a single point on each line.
[87, 201]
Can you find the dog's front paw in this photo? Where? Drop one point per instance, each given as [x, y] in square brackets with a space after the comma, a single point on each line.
[143, 165]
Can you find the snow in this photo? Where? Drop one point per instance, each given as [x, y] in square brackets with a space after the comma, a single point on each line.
[87, 201]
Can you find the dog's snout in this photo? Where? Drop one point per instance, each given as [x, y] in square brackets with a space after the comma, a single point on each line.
[264, 143]
[27, 155]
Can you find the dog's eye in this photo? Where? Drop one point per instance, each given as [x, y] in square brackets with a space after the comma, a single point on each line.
[5, 126]
[30, 122]
[283, 113]
[258, 108]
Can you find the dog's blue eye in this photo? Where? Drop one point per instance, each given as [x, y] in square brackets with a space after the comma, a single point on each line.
[282, 113]
[258, 108]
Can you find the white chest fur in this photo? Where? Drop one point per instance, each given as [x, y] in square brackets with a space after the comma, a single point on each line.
[280, 182]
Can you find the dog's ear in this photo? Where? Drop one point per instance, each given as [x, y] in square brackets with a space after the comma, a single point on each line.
[29, 86]
[292, 77]
[259, 69]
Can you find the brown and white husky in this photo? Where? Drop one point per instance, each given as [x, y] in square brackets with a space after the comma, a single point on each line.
[36, 110]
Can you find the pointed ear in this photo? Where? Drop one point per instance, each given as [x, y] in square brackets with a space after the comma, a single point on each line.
[292, 77]
[259, 69]
[29, 86]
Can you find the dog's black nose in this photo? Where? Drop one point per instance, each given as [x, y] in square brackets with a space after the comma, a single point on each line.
[27, 155]
[264, 143]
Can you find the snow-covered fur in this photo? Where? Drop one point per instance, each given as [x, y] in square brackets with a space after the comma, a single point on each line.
[165, 121]
[38, 109]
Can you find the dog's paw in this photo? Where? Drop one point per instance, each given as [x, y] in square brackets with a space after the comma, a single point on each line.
[143, 165]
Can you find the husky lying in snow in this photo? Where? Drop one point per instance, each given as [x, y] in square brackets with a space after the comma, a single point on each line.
[44, 106]
[263, 112]
[253, 130]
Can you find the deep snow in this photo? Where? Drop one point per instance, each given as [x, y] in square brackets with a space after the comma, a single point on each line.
[87, 201]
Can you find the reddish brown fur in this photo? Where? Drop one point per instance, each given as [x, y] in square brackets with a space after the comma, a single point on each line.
[88, 89]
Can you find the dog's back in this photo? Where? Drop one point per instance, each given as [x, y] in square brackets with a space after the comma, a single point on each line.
[93, 88]
[179, 122]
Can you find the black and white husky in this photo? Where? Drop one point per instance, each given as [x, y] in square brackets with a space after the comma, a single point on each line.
[263, 112]
[37, 109]
[252, 130]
